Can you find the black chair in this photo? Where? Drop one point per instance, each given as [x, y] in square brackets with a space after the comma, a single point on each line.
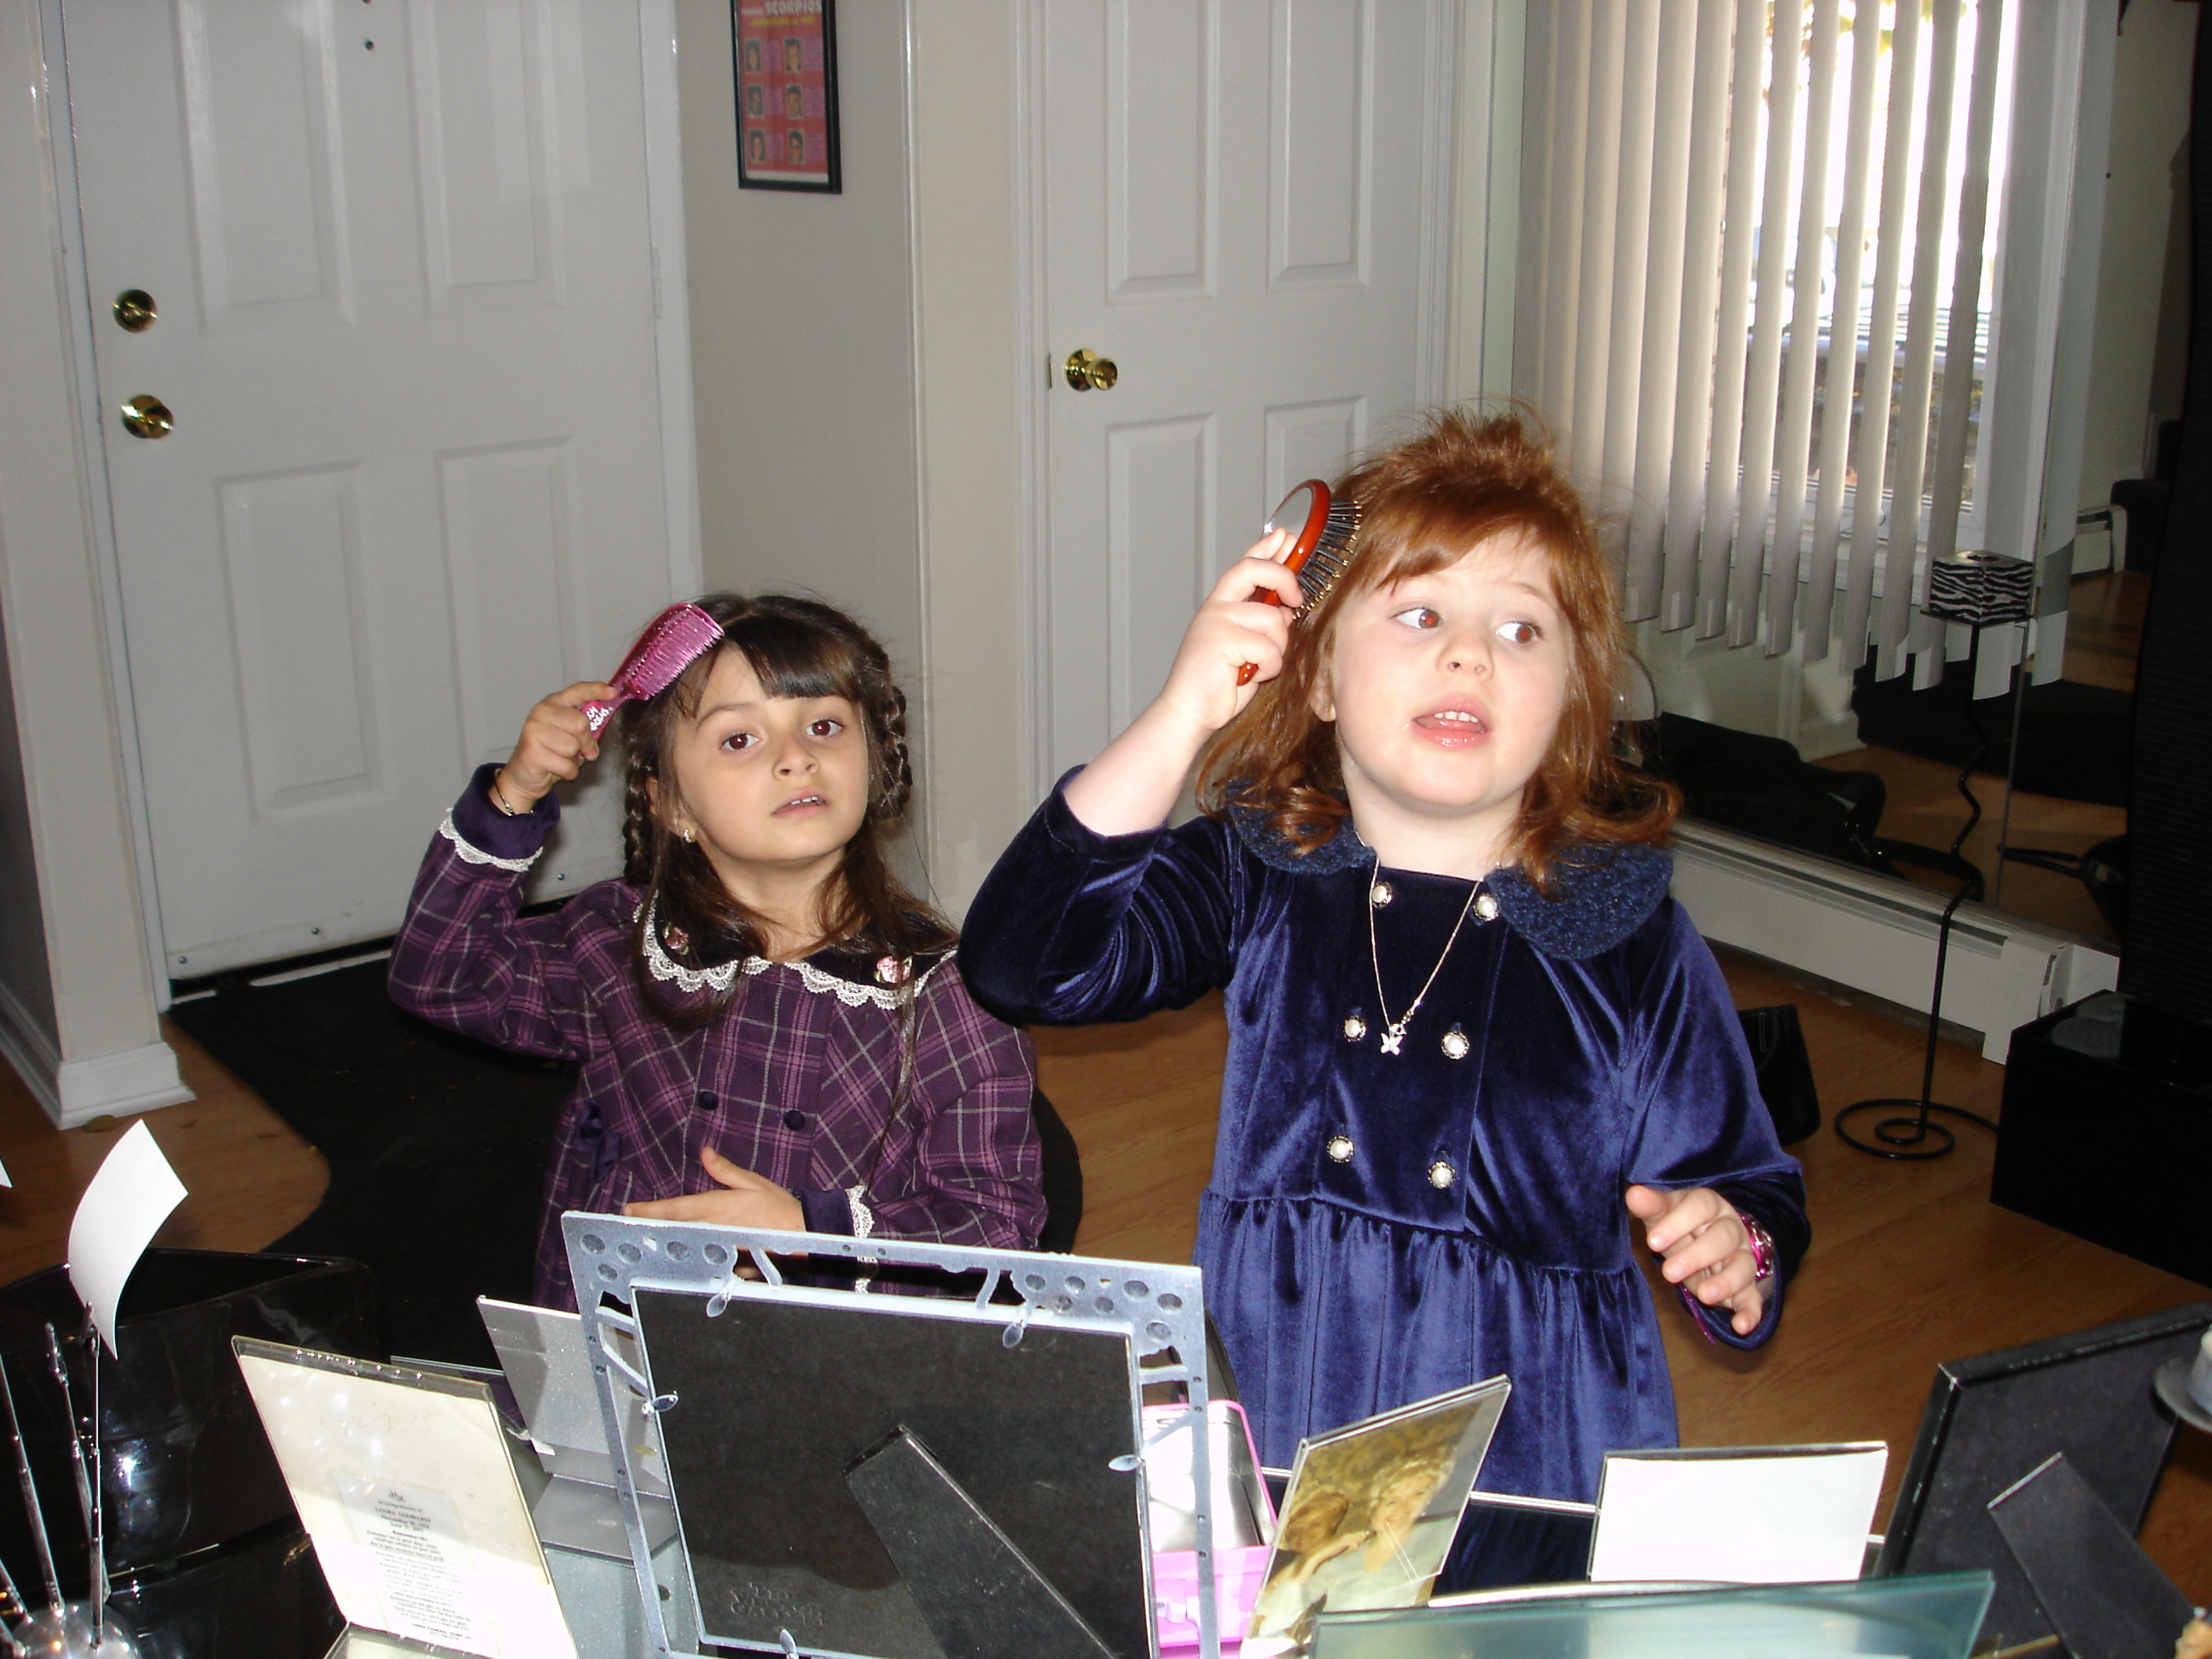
[1063, 1178]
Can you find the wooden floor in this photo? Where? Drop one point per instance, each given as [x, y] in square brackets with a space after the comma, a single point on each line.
[249, 1178]
[1910, 1263]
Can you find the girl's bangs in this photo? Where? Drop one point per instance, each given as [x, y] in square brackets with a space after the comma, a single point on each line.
[1408, 537]
[789, 658]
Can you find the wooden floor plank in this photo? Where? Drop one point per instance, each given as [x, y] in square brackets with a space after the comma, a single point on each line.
[248, 1178]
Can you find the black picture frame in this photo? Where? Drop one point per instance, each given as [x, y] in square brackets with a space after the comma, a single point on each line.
[1993, 1420]
[1037, 1432]
[784, 66]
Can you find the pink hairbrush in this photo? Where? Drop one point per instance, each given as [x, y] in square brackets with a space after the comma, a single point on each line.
[672, 642]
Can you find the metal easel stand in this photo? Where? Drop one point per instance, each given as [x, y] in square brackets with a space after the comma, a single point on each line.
[1913, 1135]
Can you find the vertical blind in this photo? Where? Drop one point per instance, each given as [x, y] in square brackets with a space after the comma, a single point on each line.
[1753, 247]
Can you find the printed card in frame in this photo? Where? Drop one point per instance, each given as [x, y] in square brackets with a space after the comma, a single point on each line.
[786, 82]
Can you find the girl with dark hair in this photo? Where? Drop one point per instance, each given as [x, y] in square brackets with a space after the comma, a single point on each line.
[1474, 1048]
[771, 1028]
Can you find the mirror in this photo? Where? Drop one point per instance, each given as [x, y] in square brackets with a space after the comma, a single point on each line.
[1296, 511]
[1826, 758]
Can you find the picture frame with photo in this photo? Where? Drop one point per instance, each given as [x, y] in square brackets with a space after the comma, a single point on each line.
[1369, 1513]
[785, 59]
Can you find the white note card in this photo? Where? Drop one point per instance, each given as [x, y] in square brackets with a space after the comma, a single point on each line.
[116, 1219]
[1762, 1514]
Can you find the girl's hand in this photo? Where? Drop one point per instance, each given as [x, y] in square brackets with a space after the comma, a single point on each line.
[556, 742]
[1133, 783]
[1703, 1247]
[1232, 629]
[749, 1200]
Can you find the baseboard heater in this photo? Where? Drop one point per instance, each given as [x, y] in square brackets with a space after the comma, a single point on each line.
[1876, 933]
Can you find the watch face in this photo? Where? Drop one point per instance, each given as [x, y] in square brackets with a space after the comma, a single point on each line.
[1762, 1249]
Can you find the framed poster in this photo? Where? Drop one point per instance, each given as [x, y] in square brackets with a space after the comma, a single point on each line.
[786, 73]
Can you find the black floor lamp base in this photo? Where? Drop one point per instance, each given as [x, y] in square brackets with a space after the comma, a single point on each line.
[1903, 1137]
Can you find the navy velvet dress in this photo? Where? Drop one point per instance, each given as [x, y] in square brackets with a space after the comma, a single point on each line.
[1380, 1228]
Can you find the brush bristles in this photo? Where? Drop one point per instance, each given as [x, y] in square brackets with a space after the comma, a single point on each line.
[676, 640]
[1331, 554]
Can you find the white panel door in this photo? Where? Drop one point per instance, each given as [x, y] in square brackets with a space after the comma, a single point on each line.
[406, 295]
[1234, 217]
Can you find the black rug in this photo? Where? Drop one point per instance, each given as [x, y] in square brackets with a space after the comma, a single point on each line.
[436, 1144]
[2074, 739]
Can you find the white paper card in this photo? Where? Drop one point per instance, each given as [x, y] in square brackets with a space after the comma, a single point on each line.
[1775, 1515]
[118, 1217]
[406, 1487]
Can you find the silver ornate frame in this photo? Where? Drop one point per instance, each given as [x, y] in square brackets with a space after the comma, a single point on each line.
[1160, 1308]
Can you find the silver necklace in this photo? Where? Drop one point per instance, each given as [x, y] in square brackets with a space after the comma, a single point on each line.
[1394, 1030]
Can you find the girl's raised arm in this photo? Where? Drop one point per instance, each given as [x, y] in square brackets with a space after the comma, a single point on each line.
[1133, 783]
[464, 959]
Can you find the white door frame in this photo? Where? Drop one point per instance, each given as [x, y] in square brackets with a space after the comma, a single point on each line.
[664, 170]
[1432, 319]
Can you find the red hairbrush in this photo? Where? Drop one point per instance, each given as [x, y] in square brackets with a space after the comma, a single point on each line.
[1328, 527]
[672, 642]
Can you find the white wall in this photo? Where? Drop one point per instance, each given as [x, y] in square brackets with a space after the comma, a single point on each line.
[77, 1014]
[802, 339]
[969, 68]
[1487, 186]
[2150, 124]
[829, 458]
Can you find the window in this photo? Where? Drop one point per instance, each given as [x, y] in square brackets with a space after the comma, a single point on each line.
[1732, 211]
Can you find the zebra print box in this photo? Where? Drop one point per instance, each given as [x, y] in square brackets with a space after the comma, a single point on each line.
[1981, 588]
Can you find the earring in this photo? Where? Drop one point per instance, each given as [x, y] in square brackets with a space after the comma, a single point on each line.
[687, 838]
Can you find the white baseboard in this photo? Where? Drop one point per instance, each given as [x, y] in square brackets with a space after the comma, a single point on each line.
[75, 1091]
[1877, 934]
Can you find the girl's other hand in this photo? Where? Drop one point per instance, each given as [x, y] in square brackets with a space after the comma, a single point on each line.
[746, 1200]
[1703, 1247]
[556, 742]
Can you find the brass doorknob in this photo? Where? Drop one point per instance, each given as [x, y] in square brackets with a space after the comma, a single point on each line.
[135, 310]
[145, 417]
[1087, 369]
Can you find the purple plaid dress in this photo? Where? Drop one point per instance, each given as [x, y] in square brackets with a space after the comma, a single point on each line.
[791, 1083]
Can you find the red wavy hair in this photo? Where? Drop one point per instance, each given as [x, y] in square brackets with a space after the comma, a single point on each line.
[1462, 480]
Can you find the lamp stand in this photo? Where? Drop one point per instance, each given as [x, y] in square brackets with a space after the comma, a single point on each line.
[1914, 1136]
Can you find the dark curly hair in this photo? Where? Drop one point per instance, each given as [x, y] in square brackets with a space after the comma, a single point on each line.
[1463, 478]
[797, 647]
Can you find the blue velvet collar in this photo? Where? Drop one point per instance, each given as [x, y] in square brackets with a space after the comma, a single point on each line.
[1607, 892]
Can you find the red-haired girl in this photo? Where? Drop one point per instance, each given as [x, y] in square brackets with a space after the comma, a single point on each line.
[1474, 1046]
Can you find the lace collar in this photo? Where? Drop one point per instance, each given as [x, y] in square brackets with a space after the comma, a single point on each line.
[890, 981]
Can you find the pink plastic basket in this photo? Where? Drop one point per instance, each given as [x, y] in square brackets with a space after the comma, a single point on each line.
[1238, 1569]
[1236, 1577]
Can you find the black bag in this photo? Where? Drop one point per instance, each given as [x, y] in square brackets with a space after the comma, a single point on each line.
[1785, 1070]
